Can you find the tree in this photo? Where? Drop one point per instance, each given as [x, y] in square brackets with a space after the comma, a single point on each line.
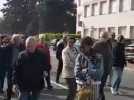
[58, 15]
[19, 14]
[33, 16]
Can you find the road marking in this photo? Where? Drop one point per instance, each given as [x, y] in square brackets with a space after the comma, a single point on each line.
[60, 85]
[129, 69]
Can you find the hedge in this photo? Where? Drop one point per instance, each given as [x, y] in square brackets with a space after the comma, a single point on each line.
[50, 36]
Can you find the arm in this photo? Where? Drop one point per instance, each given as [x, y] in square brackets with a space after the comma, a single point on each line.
[80, 79]
[97, 47]
[66, 59]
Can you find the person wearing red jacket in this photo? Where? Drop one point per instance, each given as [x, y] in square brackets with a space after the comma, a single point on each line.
[42, 46]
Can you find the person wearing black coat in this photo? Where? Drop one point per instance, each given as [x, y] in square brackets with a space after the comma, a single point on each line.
[119, 62]
[28, 75]
[60, 46]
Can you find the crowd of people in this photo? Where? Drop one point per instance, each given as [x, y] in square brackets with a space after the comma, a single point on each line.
[25, 62]
[77, 66]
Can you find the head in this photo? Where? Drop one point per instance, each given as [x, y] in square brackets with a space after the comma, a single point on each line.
[41, 38]
[30, 44]
[86, 45]
[65, 36]
[104, 35]
[113, 36]
[120, 38]
[70, 41]
[15, 39]
[5, 39]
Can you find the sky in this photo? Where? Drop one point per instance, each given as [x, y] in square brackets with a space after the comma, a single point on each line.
[1, 5]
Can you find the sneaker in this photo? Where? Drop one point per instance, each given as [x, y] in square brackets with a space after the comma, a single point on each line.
[50, 87]
[119, 93]
[113, 91]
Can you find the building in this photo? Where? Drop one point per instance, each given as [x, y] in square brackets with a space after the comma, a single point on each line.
[96, 16]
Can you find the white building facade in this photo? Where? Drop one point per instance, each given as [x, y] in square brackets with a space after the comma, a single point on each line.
[96, 16]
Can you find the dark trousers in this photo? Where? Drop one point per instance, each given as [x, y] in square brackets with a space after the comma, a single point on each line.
[59, 70]
[10, 84]
[72, 88]
[48, 79]
[2, 77]
[102, 85]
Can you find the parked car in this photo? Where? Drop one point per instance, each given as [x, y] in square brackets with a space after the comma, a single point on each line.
[53, 43]
[129, 52]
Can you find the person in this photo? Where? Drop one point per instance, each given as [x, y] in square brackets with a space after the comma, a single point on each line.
[69, 54]
[114, 42]
[104, 47]
[29, 68]
[60, 47]
[45, 49]
[83, 65]
[1, 64]
[119, 62]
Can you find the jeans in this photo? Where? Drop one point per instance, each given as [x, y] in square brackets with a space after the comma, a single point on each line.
[117, 77]
[72, 88]
[29, 96]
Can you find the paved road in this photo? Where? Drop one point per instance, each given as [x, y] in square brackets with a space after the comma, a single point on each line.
[59, 92]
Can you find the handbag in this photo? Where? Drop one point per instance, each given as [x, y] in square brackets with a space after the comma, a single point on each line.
[84, 93]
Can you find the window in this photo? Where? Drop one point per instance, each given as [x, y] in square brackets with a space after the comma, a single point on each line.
[132, 32]
[79, 2]
[79, 21]
[103, 8]
[111, 29]
[87, 11]
[124, 5]
[132, 4]
[122, 30]
[86, 32]
[100, 31]
[95, 9]
[113, 6]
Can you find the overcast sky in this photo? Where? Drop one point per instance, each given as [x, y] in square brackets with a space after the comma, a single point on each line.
[1, 5]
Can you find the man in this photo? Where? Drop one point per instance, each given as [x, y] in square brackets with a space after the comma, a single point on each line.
[69, 54]
[60, 47]
[29, 71]
[43, 47]
[104, 47]
[114, 42]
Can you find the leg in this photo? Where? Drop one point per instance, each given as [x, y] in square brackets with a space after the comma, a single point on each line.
[72, 88]
[49, 86]
[9, 82]
[114, 80]
[34, 95]
[103, 82]
[2, 78]
[25, 96]
[120, 72]
[59, 70]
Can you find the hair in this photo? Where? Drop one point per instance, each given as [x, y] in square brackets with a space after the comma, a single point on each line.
[29, 39]
[121, 37]
[104, 35]
[86, 41]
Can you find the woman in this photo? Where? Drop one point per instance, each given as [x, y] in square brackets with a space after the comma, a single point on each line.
[118, 64]
[84, 65]
[69, 54]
